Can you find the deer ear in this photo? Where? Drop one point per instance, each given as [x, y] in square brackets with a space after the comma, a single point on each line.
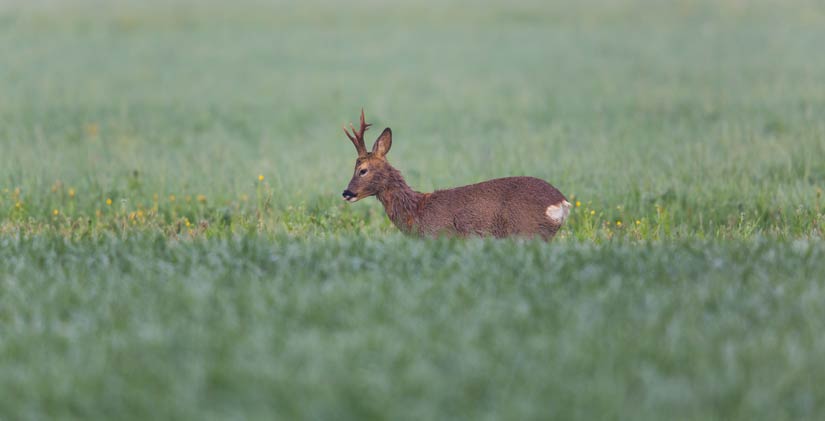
[383, 144]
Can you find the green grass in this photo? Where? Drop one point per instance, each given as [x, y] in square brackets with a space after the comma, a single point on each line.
[147, 272]
[357, 328]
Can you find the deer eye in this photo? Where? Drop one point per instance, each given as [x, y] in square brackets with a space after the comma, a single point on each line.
[362, 172]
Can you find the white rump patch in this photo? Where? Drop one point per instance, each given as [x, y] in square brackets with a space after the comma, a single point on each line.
[558, 213]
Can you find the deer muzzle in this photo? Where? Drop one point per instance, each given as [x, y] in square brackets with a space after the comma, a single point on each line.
[349, 196]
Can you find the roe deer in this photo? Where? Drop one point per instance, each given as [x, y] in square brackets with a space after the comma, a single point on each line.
[523, 206]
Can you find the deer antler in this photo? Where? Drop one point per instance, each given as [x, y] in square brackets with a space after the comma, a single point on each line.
[357, 137]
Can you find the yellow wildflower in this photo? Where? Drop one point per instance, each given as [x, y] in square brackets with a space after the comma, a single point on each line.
[71, 192]
[261, 177]
[578, 204]
[202, 198]
[619, 223]
[638, 222]
[108, 201]
[91, 129]
[592, 212]
[55, 212]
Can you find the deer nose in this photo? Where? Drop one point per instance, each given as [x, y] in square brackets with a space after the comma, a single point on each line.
[348, 195]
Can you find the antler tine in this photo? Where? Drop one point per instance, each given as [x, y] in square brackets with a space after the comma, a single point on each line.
[357, 136]
[358, 141]
[347, 133]
[364, 126]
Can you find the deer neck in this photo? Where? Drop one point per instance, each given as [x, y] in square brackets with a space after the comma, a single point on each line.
[400, 201]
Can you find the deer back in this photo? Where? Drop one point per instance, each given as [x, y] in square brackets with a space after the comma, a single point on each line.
[524, 206]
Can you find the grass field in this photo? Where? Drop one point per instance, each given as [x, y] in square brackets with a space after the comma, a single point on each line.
[173, 244]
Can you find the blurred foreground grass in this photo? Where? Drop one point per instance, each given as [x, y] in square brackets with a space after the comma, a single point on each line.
[388, 328]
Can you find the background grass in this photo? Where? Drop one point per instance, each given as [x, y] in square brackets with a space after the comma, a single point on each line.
[147, 271]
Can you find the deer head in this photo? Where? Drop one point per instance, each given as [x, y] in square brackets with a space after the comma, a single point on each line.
[371, 168]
